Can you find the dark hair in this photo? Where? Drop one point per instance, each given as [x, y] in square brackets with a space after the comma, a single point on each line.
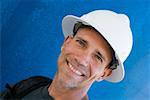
[114, 62]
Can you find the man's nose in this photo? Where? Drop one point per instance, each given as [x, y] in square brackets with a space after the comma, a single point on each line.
[84, 59]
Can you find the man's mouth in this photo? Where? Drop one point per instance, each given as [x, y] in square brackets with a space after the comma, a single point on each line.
[75, 70]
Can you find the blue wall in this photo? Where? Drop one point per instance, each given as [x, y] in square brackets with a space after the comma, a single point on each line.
[31, 37]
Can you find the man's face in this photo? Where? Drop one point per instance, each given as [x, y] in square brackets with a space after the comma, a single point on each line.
[82, 56]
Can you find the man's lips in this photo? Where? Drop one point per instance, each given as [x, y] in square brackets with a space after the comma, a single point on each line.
[74, 69]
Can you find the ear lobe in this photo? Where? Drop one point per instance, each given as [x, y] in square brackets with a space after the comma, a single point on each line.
[107, 72]
[100, 78]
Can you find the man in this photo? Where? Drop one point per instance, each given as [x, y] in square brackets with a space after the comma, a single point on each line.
[94, 49]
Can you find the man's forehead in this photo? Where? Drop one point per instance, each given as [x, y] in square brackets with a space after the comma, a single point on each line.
[90, 33]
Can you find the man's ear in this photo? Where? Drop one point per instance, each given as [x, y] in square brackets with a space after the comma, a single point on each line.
[66, 41]
[107, 72]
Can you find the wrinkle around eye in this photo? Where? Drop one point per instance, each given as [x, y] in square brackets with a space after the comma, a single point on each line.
[81, 43]
[99, 58]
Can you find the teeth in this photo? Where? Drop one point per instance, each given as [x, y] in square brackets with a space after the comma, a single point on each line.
[78, 72]
[74, 70]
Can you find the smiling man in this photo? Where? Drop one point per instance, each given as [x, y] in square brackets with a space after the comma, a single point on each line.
[94, 49]
[85, 57]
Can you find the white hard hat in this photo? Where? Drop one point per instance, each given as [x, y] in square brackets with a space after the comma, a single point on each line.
[115, 28]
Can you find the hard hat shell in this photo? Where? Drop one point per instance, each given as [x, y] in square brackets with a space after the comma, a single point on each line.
[115, 28]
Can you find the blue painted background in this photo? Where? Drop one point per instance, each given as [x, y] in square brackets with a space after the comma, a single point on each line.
[31, 37]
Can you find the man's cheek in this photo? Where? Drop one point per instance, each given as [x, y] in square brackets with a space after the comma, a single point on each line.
[69, 49]
[96, 70]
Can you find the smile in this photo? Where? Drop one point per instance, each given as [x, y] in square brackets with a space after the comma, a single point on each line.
[73, 69]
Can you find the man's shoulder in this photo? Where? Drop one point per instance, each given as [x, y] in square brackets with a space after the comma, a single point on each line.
[26, 86]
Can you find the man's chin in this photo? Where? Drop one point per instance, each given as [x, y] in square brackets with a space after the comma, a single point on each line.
[68, 84]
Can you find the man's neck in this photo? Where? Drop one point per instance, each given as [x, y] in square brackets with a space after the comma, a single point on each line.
[58, 92]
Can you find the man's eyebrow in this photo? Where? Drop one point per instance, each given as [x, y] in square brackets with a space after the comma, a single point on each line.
[100, 55]
[86, 42]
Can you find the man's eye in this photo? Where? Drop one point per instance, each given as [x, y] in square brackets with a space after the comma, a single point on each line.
[99, 58]
[80, 43]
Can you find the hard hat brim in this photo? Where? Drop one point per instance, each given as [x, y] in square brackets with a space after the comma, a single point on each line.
[67, 28]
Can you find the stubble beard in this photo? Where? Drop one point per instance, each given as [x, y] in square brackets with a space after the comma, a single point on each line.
[61, 77]
[64, 80]
[65, 84]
